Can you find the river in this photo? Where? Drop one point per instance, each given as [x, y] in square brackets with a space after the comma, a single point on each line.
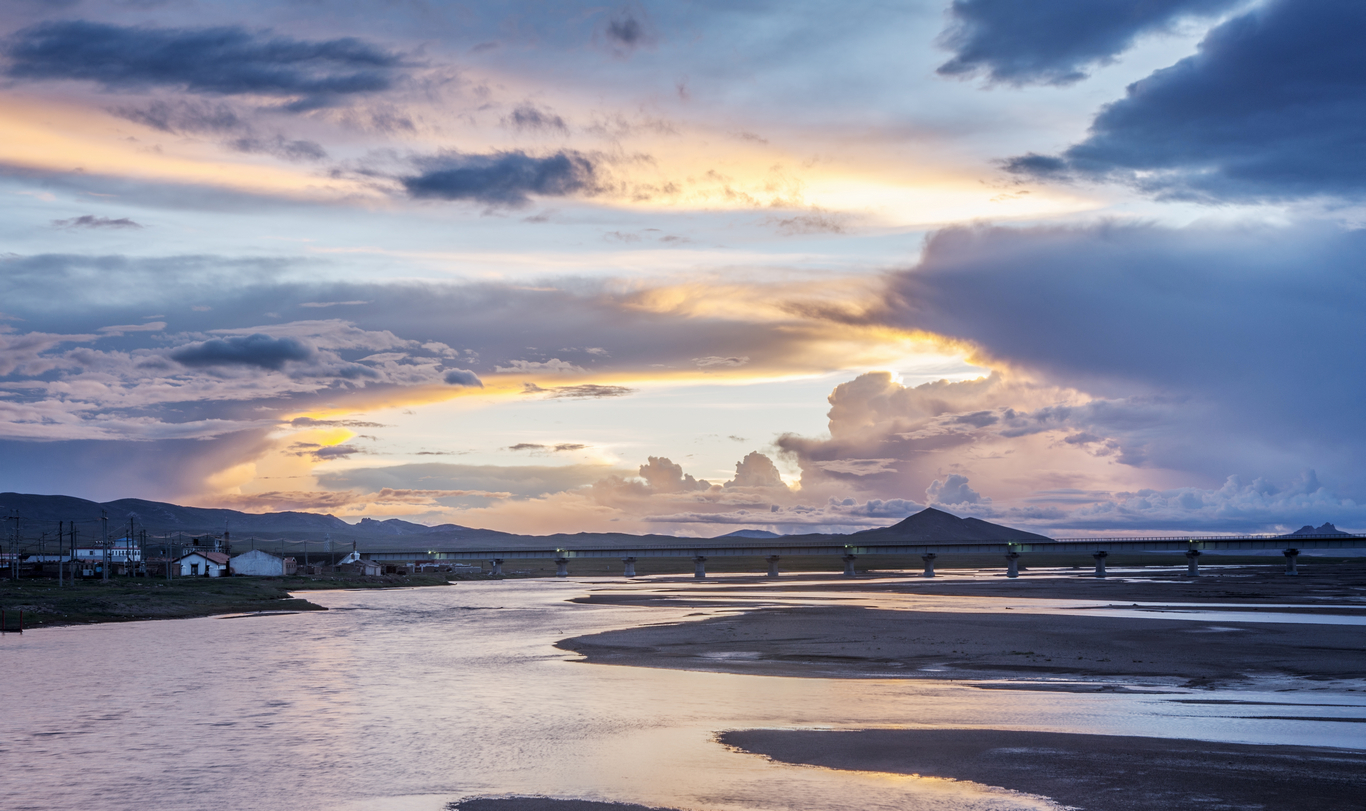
[411, 699]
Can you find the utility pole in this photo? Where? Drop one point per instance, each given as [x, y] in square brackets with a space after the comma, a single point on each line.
[61, 525]
[104, 528]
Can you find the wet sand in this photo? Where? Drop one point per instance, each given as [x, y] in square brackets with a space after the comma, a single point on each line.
[855, 642]
[1088, 772]
[850, 642]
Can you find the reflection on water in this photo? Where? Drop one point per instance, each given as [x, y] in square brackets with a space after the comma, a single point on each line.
[410, 699]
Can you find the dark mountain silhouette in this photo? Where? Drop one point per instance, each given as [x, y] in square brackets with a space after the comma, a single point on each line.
[750, 533]
[936, 525]
[1326, 529]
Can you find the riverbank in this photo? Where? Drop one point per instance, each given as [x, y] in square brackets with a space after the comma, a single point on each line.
[1086, 772]
[125, 599]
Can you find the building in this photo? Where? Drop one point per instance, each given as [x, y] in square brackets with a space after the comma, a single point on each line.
[204, 564]
[258, 564]
[121, 551]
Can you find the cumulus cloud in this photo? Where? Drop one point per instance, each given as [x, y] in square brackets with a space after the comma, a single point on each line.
[663, 475]
[756, 470]
[1053, 41]
[256, 349]
[953, 491]
[1268, 109]
[504, 179]
[212, 61]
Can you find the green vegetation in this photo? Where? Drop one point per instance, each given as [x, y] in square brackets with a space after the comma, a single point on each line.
[141, 598]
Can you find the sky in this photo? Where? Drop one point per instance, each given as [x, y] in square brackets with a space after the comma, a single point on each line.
[1083, 267]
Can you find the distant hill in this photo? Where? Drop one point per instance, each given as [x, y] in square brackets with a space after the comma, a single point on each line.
[930, 525]
[41, 514]
[750, 533]
[1326, 529]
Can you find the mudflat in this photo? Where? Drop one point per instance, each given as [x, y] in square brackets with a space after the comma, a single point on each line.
[1088, 772]
[1016, 642]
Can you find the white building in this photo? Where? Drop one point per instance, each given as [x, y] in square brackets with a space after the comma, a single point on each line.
[258, 564]
[121, 550]
[203, 564]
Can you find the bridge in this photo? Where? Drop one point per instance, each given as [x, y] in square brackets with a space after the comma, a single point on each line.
[1012, 552]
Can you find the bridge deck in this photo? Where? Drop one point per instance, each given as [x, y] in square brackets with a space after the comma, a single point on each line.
[713, 550]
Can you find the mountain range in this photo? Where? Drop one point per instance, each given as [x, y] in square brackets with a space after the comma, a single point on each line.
[39, 516]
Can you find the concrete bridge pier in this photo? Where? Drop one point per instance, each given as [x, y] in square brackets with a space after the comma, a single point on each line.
[1012, 564]
[699, 567]
[929, 563]
[772, 565]
[497, 564]
[1290, 557]
[561, 567]
[849, 565]
[1100, 562]
[1192, 563]
[630, 566]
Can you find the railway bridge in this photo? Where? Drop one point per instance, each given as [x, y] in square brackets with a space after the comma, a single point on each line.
[773, 551]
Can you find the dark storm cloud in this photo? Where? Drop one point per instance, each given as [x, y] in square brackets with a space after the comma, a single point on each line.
[257, 350]
[1270, 108]
[1053, 41]
[220, 61]
[502, 179]
[1207, 344]
[91, 221]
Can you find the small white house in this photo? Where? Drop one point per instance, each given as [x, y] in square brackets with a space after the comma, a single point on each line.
[203, 564]
[258, 564]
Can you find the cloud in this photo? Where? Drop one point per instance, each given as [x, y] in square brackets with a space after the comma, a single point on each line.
[528, 117]
[628, 28]
[1053, 41]
[716, 360]
[280, 147]
[662, 475]
[582, 392]
[811, 222]
[184, 116]
[258, 350]
[463, 377]
[536, 447]
[506, 179]
[756, 470]
[522, 481]
[309, 422]
[552, 366]
[953, 491]
[210, 61]
[1197, 346]
[1268, 109]
[91, 221]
